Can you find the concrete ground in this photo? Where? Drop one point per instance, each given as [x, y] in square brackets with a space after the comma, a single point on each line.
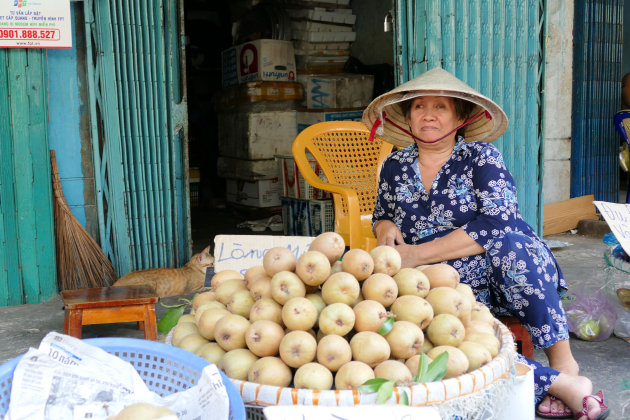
[607, 363]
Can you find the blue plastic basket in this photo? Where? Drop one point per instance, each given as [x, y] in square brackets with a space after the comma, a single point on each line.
[165, 369]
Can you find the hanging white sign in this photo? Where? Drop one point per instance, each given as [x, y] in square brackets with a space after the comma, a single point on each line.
[35, 24]
[618, 218]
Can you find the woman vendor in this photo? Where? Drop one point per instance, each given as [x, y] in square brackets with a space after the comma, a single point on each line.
[446, 196]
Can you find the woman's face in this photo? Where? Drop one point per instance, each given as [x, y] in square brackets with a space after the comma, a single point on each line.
[432, 117]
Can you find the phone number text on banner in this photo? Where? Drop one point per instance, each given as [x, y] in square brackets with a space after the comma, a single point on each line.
[35, 24]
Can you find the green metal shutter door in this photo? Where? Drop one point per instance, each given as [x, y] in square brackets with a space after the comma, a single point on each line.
[140, 110]
[597, 59]
[495, 47]
[27, 243]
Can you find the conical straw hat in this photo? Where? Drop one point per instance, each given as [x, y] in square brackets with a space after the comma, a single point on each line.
[435, 82]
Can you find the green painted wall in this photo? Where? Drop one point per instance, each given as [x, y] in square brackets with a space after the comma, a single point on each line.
[27, 247]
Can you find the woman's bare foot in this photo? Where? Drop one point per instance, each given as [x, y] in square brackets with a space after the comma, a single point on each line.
[560, 359]
[552, 406]
[572, 390]
[593, 409]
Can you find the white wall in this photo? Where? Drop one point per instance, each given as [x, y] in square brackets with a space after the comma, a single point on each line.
[557, 101]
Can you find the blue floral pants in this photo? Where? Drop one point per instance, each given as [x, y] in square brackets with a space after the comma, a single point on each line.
[518, 276]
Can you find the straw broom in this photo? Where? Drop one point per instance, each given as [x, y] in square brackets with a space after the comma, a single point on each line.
[81, 262]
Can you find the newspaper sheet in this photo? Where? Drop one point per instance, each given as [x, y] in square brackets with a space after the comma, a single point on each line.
[66, 378]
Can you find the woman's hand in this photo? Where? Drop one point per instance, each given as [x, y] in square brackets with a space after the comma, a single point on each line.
[456, 244]
[410, 255]
[387, 233]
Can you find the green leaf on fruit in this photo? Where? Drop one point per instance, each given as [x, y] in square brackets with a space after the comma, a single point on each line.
[184, 303]
[170, 318]
[372, 385]
[423, 365]
[404, 398]
[385, 392]
[387, 326]
[437, 369]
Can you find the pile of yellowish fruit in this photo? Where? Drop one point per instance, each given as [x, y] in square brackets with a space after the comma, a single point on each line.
[317, 321]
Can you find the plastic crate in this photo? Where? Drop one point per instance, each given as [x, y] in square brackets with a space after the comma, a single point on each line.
[255, 413]
[194, 194]
[307, 217]
[164, 368]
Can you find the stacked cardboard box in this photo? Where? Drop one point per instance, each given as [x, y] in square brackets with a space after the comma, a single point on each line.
[257, 118]
[273, 89]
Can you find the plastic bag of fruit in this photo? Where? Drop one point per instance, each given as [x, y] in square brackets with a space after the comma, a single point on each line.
[590, 315]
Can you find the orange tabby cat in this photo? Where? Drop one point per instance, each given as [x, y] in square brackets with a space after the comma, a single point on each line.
[173, 281]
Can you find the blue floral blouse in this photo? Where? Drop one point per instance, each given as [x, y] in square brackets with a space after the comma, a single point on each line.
[473, 190]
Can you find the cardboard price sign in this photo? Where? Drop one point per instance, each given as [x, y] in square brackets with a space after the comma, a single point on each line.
[240, 252]
[618, 218]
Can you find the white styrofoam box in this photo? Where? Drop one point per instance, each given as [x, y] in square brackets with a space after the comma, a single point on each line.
[321, 48]
[309, 25]
[323, 14]
[316, 52]
[307, 217]
[249, 170]
[343, 90]
[314, 64]
[256, 135]
[261, 193]
[262, 59]
[331, 2]
[306, 118]
[293, 183]
[312, 36]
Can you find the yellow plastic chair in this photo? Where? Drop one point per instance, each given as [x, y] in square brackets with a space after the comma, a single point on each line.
[351, 165]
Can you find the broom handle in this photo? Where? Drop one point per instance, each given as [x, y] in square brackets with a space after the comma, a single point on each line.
[56, 182]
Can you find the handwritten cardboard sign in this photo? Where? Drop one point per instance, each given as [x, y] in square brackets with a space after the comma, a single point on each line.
[618, 218]
[240, 252]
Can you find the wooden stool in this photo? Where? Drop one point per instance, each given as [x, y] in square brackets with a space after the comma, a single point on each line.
[521, 336]
[105, 305]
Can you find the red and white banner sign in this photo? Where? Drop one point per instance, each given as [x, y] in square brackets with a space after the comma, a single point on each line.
[35, 24]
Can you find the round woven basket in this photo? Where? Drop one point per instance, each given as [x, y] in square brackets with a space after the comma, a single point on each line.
[477, 388]
[254, 394]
